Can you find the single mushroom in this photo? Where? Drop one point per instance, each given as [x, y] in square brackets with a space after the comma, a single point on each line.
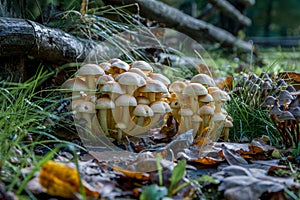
[206, 112]
[74, 86]
[203, 79]
[142, 65]
[269, 102]
[177, 88]
[122, 111]
[84, 110]
[102, 80]
[120, 127]
[112, 89]
[104, 105]
[205, 100]
[91, 72]
[118, 67]
[216, 125]
[130, 81]
[227, 125]
[220, 97]
[141, 113]
[284, 98]
[152, 88]
[192, 92]
[286, 118]
[159, 108]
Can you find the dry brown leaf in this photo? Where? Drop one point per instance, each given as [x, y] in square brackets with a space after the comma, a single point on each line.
[131, 174]
[207, 161]
[61, 180]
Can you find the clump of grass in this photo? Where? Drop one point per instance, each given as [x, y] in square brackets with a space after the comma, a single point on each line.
[249, 121]
[23, 113]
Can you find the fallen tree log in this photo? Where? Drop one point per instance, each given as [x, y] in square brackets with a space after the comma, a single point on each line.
[231, 11]
[196, 29]
[25, 37]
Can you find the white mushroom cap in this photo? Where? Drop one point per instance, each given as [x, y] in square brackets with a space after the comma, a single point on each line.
[206, 99]
[90, 69]
[203, 79]
[144, 66]
[205, 110]
[112, 87]
[105, 103]
[75, 84]
[220, 95]
[130, 78]
[212, 89]
[177, 86]
[160, 107]
[194, 89]
[160, 77]
[142, 110]
[185, 112]
[142, 100]
[154, 86]
[138, 71]
[218, 117]
[228, 124]
[125, 100]
[120, 65]
[102, 80]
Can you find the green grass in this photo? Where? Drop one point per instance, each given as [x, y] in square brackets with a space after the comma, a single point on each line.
[23, 112]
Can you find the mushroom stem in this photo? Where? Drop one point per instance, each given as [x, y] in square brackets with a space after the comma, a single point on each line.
[102, 117]
[194, 104]
[130, 89]
[126, 114]
[120, 134]
[151, 96]
[226, 133]
[91, 82]
[218, 106]
[140, 121]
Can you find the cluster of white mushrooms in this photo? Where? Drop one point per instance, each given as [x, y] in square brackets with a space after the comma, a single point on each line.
[198, 104]
[131, 99]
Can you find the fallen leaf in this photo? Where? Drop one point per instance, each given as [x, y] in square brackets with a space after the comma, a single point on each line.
[61, 180]
[133, 174]
[233, 158]
[207, 160]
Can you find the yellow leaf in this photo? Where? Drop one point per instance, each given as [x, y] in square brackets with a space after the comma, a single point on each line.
[61, 180]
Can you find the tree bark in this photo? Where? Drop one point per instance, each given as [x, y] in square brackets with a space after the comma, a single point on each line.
[196, 29]
[25, 37]
[247, 3]
[230, 11]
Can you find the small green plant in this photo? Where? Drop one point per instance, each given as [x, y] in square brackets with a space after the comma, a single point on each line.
[174, 184]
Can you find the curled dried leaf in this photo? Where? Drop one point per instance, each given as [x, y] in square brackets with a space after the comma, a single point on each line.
[64, 181]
